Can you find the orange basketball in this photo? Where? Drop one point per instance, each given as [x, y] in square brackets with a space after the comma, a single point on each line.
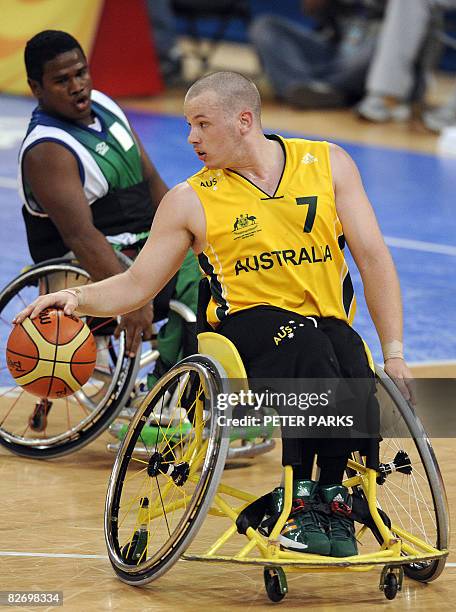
[52, 355]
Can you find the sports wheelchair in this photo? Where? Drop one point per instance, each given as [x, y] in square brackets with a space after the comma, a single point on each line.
[42, 428]
[157, 503]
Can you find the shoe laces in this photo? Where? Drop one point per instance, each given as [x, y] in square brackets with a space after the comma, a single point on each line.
[341, 522]
[299, 505]
[338, 507]
[305, 513]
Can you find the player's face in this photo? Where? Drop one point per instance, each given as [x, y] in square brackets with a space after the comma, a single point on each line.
[213, 133]
[65, 87]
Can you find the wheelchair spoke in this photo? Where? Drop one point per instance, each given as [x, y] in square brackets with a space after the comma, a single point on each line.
[178, 472]
[21, 393]
[130, 501]
[164, 511]
[418, 497]
[409, 490]
[169, 510]
[140, 460]
[414, 525]
[25, 425]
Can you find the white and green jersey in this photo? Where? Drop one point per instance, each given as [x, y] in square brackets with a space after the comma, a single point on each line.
[110, 170]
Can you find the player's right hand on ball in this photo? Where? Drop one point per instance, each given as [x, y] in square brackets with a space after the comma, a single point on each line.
[65, 300]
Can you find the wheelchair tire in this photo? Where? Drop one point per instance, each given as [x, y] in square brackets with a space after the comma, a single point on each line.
[413, 496]
[167, 493]
[44, 429]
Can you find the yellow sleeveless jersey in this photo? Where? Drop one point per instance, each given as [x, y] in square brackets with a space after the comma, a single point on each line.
[284, 250]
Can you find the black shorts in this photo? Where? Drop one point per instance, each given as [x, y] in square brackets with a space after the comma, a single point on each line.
[275, 343]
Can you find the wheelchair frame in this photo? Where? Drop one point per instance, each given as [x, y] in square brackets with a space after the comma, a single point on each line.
[399, 549]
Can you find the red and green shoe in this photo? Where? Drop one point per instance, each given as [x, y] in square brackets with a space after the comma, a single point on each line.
[338, 522]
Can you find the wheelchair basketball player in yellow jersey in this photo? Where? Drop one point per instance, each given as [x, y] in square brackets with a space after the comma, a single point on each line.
[269, 219]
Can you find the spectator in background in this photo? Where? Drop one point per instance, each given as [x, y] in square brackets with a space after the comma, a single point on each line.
[324, 68]
[441, 117]
[163, 23]
[393, 82]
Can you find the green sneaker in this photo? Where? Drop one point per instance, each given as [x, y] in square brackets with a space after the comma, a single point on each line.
[339, 526]
[303, 532]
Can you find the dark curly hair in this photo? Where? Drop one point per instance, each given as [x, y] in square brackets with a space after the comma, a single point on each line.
[45, 46]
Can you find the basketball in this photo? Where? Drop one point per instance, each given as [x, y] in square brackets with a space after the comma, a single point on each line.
[52, 355]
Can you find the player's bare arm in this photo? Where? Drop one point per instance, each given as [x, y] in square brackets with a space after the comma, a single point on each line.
[63, 199]
[178, 225]
[65, 202]
[373, 259]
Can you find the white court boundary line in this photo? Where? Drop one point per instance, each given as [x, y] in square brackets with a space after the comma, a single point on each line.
[8, 183]
[8, 553]
[421, 245]
[77, 556]
[400, 243]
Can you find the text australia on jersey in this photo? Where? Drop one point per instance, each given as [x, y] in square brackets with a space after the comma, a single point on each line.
[285, 257]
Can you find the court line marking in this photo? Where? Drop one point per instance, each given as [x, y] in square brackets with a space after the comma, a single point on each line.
[420, 245]
[76, 556]
[400, 243]
[8, 183]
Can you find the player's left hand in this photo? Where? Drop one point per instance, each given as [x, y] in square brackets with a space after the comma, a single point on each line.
[138, 325]
[398, 370]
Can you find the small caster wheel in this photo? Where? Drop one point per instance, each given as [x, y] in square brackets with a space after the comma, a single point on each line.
[390, 586]
[133, 553]
[391, 580]
[275, 583]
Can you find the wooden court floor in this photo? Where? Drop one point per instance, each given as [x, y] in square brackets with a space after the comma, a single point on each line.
[52, 539]
[52, 512]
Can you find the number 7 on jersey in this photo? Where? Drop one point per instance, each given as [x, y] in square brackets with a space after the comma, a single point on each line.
[311, 202]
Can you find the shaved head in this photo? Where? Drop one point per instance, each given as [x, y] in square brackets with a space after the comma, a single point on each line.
[235, 91]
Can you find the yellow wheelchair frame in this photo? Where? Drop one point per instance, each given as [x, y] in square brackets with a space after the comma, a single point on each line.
[397, 546]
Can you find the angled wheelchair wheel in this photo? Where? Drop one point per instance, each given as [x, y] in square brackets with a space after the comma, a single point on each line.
[410, 489]
[44, 428]
[157, 502]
